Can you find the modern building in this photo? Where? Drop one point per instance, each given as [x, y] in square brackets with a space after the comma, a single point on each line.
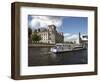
[50, 35]
[83, 40]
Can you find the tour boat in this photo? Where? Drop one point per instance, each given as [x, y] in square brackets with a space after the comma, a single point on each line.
[58, 48]
[61, 48]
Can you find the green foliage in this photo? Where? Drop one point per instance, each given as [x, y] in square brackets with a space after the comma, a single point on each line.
[29, 32]
[36, 38]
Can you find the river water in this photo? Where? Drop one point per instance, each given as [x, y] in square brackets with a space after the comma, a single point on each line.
[42, 57]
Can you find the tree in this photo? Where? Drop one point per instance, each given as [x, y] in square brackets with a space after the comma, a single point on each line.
[29, 32]
[35, 30]
[36, 38]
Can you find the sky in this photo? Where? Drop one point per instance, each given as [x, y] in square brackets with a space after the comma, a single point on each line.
[70, 26]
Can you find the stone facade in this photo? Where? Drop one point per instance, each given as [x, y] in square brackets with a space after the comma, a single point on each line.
[50, 35]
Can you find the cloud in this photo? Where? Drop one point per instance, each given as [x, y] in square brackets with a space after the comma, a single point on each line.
[66, 34]
[70, 37]
[74, 36]
[44, 21]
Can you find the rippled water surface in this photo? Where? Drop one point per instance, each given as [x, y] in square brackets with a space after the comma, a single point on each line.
[43, 56]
